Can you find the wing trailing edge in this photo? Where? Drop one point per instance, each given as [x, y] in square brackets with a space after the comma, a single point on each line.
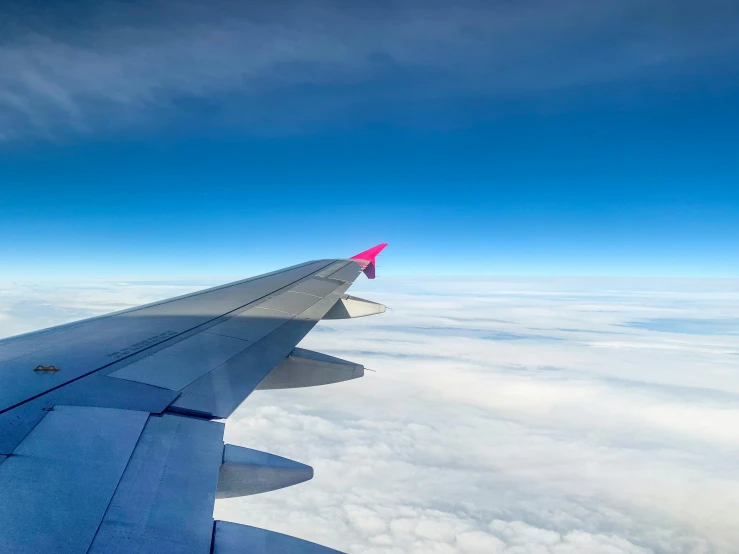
[232, 538]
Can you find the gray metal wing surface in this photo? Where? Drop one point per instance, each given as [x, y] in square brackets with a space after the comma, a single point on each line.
[108, 438]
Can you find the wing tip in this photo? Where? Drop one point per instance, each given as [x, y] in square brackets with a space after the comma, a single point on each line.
[371, 253]
[367, 259]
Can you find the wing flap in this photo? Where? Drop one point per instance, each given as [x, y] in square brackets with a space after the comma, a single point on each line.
[164, 502]
[58, 482]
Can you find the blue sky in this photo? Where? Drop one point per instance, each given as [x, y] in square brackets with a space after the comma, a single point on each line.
[562, 138]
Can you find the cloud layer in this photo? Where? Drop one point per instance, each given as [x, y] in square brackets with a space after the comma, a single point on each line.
[84, 66]
[531, 417]
[505, 416]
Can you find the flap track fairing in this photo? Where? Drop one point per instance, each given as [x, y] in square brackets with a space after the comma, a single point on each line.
[305, 368]
[245, 472]
[348, 307]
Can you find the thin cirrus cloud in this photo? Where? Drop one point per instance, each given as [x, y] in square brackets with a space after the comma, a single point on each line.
[86, 67]
[614, 438]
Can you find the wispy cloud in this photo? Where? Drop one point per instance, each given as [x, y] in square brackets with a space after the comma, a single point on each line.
[724, 326]
[117, 64]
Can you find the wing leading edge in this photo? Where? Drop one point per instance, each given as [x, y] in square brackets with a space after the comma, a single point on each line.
[117, 450]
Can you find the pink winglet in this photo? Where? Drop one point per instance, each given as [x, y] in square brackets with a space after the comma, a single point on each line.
[369, 271]
[367, 259]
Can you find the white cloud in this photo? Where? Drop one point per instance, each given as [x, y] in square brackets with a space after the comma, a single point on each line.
[516, 417]
[589, 436]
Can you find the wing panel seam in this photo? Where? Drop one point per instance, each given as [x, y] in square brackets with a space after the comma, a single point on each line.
[179, 336]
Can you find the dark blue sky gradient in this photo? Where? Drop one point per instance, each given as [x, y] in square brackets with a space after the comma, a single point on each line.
[631, 174]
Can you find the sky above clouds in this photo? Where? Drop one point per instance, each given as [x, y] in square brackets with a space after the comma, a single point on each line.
[546, 138]
[132, 63]
[146, 147]
[553, 416]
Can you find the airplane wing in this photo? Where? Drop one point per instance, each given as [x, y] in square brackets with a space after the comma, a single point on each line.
[108, 435]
